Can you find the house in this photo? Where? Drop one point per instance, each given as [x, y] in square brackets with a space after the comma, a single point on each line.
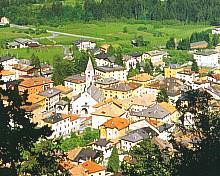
[103, 59]
[199, 45]
[104, 146]
[105, 113]
[8, 61]
[52, 98]
[84, 45]
[171, 70]
[173, 87]
[130, 140]
[199, 83]
[91, 95]
[114, 128]
[62, 124]
[214, 91]
[37, 107]
[156, 57]
[207, 58]
[142, 78]
[4, 21]
[65, 91]
[123, 90]
[22, 43]
[7, 76]
[93, 169]
[159, 112]
[76, 82]
[131, 61]
[216, 31]
[35, 85]
[215, 78]
[104, 48]
[105, 82]
[187, 75]
[62, 107]
[116, 72]
[152, 88]
[86, 154]
[24, 70]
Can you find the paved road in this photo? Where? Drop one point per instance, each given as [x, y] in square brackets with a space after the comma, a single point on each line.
[56, 33]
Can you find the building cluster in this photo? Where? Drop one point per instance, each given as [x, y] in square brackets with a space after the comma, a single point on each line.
[124, 110]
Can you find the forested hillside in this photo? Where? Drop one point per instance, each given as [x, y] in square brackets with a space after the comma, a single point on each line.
[50, 11]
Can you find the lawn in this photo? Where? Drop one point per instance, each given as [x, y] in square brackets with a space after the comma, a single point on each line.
[45, 54]
[154, 32]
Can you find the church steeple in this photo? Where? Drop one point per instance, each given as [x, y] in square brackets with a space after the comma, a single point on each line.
[90, 73]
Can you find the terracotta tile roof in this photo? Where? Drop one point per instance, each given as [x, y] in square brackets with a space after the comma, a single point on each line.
[92, 167]
[74, 117]
[72, 154]
[123, 86]
[216, 76]
[203, 71]
[100, 104]
[66, 165]
[6, 73]
[31, 108]
[24, 68]
[168, 107]
[111, 110]
[153, 85]
[78, 171]
[63, 89]
[118, 123]
[34, 98]
[35, 81]
[143, 77]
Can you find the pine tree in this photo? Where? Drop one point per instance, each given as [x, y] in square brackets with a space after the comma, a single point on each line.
[194, 67]
[162, 96]
[148, 68]
[113, 162]
[215, 40]
[171, 44]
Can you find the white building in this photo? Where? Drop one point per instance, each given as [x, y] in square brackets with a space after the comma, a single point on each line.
[7, 76]
[156, 57]
[186, 75]
[216, 31]
[8, 61]
[131, 61]
[62, 124]
[52, 98]
[104, 146]
[85, 45]
[4, 21]
[207, 58]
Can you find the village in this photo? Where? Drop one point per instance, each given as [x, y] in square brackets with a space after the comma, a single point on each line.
[123, 108]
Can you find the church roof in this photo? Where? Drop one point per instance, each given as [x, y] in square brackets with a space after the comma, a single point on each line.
[90, 66]
[96, 93]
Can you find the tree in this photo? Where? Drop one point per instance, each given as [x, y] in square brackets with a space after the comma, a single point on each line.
[125, 29]
[146, 159]
[203, 158]
[119, 57]
[215, 40]
[113, 162]
[148, 68]
[162, 96]
[194, 67]
[184, 44]
[111, 50]
[171, 44]
[44, 159]
[17, 133]
[133, 72]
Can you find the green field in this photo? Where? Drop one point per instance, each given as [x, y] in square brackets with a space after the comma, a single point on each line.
[154, 32]
[46, 55]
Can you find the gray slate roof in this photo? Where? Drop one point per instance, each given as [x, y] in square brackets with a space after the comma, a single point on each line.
[96, 93]
[62, 102]
[50, 93]
[102, 142]
[140, 134]
[5, 58]
[107, 81]
[86, 154]
[155, 111]
[110, 69]
[53, 118]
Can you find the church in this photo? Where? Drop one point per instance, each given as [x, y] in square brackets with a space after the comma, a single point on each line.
[83, 104]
